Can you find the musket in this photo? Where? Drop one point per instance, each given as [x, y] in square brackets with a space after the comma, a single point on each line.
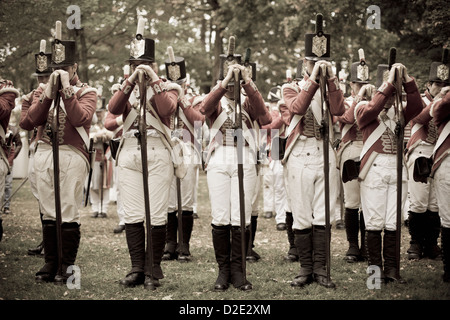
[240, 146]
[400, 133]
[101, 178]
[178, 180]
[142, 139]
[54, 128]
[91, 162]
[56, 182]
[326, 168]
[15, 191]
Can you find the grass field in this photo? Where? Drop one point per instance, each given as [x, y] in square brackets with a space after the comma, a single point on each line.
[103, 260]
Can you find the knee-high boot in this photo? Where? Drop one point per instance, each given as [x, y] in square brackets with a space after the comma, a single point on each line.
[238, 278]
[48, 271]
[445, 243]
[320, 256]
[431, 235]
[70, 234]
[222, 249]
[304, 245]
[374, 249]
[351, 218]
[184, 254]
[135, 235]
[362, 232]
[170, 252]
[416, 227]
[391, 272]
[292, 254]
[158, 241]
[251, 254]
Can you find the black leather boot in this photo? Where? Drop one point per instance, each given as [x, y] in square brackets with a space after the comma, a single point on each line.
[304, 246]
[158, 241]
[391, 270]
[320, 258]
[184, 254]
[48, 271]
[135, 235]
[170, 252]
[70, 234]
[222, 249]
[238, 277]
[374, 249]
[362, 232]
[292, 254]
[445, 243]
[431, 235]
[252, 256]
[416, 227]
[351, 217]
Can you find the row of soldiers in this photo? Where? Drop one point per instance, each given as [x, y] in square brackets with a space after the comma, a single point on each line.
[301, 132]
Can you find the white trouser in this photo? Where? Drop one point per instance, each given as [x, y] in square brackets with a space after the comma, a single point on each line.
[160, 173]
[268, 190]
[305, 176]
[223, 186]
[257, 195]
[73, 171]
[352, 194]
[422, 196]
[442, 187]
[96, 204]
[287, 204]
[379, 193]
[3, 174]
[187, 186]
[31, 172]
[278, 190]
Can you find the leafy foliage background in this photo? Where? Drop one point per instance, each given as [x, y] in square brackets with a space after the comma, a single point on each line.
[199, 30]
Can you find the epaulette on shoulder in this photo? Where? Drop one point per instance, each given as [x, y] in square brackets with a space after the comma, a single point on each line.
[174, 86]
[289, 86]
[85, 88]
[197, 100]
[359, 104]
[7, 86]
[27, 97]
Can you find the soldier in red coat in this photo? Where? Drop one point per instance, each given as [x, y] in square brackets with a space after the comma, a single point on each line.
[42, 73]
[440, 111]
[378, 170]
[303, 159]
[8, 94]
[221, 167]
[77, 107]
[184, 123]
[423, 212]
[348, 153]
[163, 97]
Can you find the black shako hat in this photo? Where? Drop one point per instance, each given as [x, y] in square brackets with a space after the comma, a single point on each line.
[439, 71]
[383, 69]
[317, 45]
[63, 52]
[228, 59]
[43, 61]
[360, 70]
[142, 49]
[175, 67]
